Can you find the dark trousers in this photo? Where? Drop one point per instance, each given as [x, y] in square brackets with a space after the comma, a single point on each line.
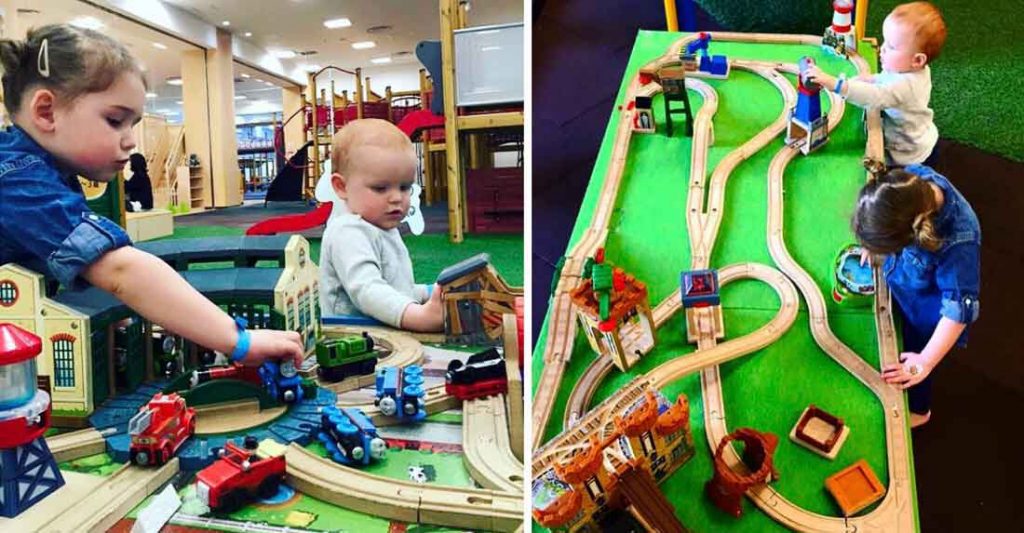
[920, 395]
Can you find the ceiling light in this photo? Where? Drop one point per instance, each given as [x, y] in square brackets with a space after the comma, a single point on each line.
[160, 46]
[244, 75]
[150, 95]
[179, 102]
[283, 54]
[381, 60]
[88, 23]
[363, 45]
[270, 83]
[174, 81]
[240, 97]
[311, 68]
[225, 23]
[337, 23]
[248, 34]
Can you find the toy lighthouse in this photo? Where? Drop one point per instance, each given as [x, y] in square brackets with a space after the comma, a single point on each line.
[808, 129]
[613, 311]
[28, 472]
[839, 37]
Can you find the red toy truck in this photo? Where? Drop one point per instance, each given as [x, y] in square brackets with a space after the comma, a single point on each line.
[160, 428]
[241, 473]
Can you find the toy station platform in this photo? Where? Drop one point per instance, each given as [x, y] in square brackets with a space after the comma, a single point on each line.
[647, 235]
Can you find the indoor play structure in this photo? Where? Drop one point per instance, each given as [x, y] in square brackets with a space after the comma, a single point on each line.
[98, 362]
[580, 459]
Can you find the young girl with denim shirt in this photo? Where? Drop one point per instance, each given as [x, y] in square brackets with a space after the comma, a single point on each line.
[931, 241]
[74, 95]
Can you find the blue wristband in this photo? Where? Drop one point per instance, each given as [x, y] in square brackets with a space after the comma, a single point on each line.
[242, 346]
[839, 84]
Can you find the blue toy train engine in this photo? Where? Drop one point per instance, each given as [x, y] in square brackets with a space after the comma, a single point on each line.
[400, 392]
[282, 380]
[350, 436]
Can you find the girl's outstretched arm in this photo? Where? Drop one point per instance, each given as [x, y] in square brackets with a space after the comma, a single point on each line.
[154, 290]
[916, 366]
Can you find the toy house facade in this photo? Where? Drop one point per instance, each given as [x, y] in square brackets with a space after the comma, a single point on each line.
[628, 333]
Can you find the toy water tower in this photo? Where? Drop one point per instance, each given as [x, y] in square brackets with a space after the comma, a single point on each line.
[840, 37]
[28, 472]
[808, 128]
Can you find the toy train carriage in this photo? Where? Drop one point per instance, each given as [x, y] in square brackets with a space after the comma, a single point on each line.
[400, 392]
[350, 437]
[699, 288]
[160, 428]
[231, 371]
[340, 358]
[482, 375]
[240, 474]
[281, 380]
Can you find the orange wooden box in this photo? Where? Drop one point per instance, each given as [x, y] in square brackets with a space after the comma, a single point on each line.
[855, 487]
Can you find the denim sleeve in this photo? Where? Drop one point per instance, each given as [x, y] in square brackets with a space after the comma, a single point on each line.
[53, 223]
[958, 276]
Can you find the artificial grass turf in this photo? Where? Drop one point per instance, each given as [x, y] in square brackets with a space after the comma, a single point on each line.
[768, 389]
[973, 80]
[430, 252]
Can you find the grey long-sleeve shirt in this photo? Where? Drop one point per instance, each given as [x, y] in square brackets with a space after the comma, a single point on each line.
[910, 133]
[366, 270]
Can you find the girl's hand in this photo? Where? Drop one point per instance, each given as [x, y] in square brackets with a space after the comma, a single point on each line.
[865, 257]
[267, 344]
[913, 369]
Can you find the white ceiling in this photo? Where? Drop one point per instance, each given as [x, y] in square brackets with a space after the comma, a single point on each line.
[282, 25]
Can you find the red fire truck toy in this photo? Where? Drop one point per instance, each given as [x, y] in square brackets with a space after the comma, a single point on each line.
[160, 428]
[240, 474]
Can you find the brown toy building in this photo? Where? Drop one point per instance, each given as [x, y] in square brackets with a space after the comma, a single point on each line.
[475, 298]
[727, 487]
[629, 331]
[820, 432]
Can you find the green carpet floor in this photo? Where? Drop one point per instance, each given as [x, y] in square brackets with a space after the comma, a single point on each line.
[976, 80]
[647, 236]
[430, 252]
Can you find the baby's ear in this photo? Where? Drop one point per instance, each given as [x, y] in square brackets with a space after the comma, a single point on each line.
[920, 59]
[339, 186]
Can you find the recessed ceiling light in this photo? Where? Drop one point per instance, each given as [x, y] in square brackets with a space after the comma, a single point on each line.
[337, 23]
[179, 102]
[225, 23]
[151, 95]
[240, 97]
[363, 45]
[381, 60]
[244, 75]
[160, 46]
[283, 54]
[248, 34]
[174, 81]
[88, 23]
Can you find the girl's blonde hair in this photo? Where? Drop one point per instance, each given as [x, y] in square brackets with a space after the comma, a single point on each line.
[66, 60]
[895, 210]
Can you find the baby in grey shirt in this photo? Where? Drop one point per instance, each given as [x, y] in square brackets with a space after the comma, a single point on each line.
[364, 265]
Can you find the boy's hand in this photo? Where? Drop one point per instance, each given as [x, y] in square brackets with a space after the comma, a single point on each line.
[815, 74]
[425, 317]
[434, 308]
[267, 344]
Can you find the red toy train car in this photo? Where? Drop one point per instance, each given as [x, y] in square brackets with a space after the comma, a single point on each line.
[483, 374]
[240, 474]
[160, 428]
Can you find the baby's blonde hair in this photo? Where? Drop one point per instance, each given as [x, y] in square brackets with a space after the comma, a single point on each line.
[362, 133]
[925, 22]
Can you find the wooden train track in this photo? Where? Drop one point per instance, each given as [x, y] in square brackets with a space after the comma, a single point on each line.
[486, 450]
[75, 444]
[402, 500]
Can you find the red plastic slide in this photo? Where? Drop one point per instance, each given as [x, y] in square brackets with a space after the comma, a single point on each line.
[419, 120]
[290, 223]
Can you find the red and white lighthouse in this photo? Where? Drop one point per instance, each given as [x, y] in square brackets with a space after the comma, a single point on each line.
[839, 37]
[28, 472]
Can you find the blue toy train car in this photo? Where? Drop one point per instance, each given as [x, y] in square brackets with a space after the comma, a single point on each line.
[400, 393]
[349, 436]
[282, 381]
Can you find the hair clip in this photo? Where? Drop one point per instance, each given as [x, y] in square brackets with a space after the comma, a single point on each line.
[43, 61]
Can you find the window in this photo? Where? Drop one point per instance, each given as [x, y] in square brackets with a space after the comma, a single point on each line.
[316, 303]
[303, 310]
[290, 323]
[8, 293]
[64, 360]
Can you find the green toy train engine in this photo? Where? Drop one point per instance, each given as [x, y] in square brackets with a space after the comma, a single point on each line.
[342, 357]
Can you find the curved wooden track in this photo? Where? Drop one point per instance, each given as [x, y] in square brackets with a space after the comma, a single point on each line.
[402, 500]
[74, 444]
[486, 450]
[896, 511]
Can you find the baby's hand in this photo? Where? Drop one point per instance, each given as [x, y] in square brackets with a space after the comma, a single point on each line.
[816, 75]
[267, 344]
[435, 306]
[869, 78]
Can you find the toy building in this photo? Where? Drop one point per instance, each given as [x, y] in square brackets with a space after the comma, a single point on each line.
[94, 346]
[28, 471]
[475, 297]
[840, 37]
[855, 487]
[643, 115]
[614, 312]
[672, 78]
[820, 432]
[727, 487]
[853, 284]
[601, 464]
[808, 128]
[710, 66]
[702, 304]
